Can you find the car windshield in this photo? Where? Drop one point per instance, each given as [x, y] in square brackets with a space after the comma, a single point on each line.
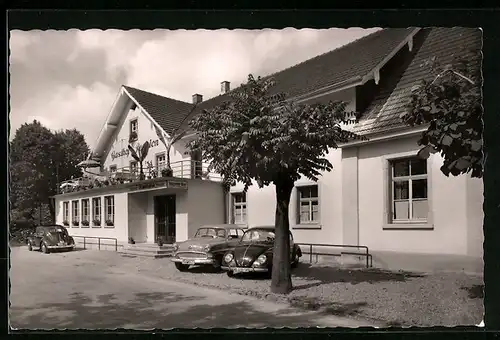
[210, 232]
[258, 235]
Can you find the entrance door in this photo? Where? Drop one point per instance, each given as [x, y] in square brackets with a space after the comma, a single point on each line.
[165, 218]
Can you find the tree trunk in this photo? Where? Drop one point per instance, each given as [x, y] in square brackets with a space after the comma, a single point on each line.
[281, 282]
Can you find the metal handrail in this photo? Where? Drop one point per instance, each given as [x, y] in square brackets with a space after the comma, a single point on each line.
[98, 241]
[369, 258]
[188, 169]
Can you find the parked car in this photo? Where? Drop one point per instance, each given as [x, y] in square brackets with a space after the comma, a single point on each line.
[50, 237]
[207, 247]
[254, 252]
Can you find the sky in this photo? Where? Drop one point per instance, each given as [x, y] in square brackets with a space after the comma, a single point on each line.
[70, 79]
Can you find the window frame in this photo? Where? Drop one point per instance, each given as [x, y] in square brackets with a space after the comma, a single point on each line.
[75, 217]
[66, 212]
[83, 201]
[94, 215]
[416, 224]
[136, 167]
[157, 164]
[113, 168]
[310, 200]
[131, 130]
[106, 214]
[239, 205]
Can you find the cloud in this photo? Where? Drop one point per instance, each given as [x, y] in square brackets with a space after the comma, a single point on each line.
[70, 79]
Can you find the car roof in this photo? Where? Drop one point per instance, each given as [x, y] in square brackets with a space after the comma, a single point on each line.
[222, 226]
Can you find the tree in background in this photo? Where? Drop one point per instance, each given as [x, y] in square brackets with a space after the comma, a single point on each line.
[259, 136]
[451, 104]
[39, 159]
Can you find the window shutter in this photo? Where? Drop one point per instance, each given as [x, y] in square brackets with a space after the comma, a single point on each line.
[387, 191]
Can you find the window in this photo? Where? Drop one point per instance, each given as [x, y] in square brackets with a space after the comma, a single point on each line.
[239, 208]
[96, 211]
[134, 131]
[85, 212]
[133, 167]
[409, 190]
[109, 210]
[76, 219]
[66, 213]
[112, 168]
[308, 204]
[160, 162]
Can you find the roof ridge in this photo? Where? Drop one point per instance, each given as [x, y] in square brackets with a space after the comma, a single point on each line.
[155, 94]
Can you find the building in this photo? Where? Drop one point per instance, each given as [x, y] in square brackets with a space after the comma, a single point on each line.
[378, 194]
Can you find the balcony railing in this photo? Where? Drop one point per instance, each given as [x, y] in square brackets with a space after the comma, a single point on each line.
[187, 169]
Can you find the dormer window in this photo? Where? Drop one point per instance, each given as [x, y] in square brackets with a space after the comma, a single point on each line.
[134, 125]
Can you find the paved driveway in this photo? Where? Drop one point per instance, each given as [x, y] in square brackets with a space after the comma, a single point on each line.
[94, 290]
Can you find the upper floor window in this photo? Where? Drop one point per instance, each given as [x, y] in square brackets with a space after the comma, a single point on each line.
[409, 198]
[112, 168]
[239, 208]
[134, 130]
[160, 162]
[133, 167]
[308, 204]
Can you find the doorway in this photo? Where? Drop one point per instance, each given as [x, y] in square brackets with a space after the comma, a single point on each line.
[164, 207]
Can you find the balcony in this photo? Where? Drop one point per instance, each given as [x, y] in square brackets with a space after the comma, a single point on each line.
[187, 169]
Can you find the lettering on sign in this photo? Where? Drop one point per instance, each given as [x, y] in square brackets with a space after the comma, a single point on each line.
[126, 152]
[160, 184]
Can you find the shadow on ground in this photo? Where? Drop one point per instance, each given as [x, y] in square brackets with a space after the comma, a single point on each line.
[325, 275]
[474, 291]
[155, 310]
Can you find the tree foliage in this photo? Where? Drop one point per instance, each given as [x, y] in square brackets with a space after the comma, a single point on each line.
[450, 103]
[39, 159]
[260, 136]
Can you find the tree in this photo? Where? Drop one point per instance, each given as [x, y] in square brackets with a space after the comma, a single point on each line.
[39, 159]
[450, 104]
[260, 136]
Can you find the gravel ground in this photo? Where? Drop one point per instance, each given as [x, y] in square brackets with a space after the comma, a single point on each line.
[395, 298]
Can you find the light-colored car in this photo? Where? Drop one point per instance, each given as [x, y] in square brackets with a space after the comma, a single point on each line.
[207, 247]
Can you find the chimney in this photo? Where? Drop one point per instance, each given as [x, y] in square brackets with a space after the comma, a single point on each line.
[197, 98]
[225, 87]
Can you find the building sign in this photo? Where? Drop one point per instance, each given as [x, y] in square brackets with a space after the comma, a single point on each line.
[166, 184]
[126, 152]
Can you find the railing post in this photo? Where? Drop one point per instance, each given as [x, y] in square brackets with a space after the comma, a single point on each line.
[310, 253]
[99, 243]
[367, 263]
[84, 245]
[116, 245]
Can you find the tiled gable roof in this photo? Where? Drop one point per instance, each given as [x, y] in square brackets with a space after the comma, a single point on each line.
[168, 113]
[357, 58]
[393, 94]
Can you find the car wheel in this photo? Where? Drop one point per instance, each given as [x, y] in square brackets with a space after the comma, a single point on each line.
[30, 247]
[181, 267]
[230, 273]
[295, 262]
[44, 248]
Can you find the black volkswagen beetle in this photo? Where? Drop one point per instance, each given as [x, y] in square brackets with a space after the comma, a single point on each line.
[254, 252]
[51, 237]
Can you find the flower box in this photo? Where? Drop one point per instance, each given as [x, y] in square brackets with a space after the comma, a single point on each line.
[66, 223]
[85, 223]
[96, 222]
[76, 223]
[109, 223]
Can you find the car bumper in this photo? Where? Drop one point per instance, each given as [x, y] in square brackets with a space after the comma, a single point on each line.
[66, 246]
[237, 270]
[190, 261]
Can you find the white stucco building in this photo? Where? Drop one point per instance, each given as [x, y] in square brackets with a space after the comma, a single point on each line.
[378, 194]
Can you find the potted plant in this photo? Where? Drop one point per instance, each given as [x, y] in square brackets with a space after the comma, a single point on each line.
[96, 222]
[139, 155]
[131, 240]
[66, 223]
[76, 223]
[85, 223]
[159, 241]
[109, 223]
[167, 172]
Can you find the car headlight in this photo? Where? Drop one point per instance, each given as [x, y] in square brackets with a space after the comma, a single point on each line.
[228, 258]
[207, 248]
[176, 247]
[261, 259]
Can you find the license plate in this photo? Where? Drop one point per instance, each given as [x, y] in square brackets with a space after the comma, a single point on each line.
[187, 261]
[241, 270]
